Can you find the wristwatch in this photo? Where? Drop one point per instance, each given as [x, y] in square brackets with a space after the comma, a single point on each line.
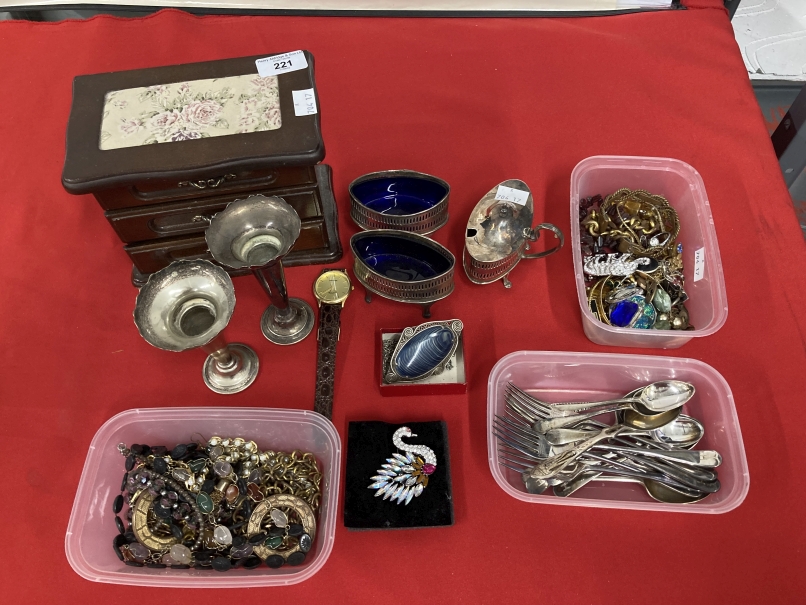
[331, 289]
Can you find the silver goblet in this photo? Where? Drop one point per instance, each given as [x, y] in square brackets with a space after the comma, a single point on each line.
[187, 305]
[256, 233]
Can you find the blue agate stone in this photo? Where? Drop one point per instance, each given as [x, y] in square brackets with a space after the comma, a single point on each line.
[622, 313]
[424, 352]
[399, 195]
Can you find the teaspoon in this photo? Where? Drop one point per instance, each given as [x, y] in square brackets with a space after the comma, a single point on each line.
[651, 400]
[636, 416]
[683, 432]
[656, 397]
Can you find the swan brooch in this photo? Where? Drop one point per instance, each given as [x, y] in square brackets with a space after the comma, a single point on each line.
[404, 476]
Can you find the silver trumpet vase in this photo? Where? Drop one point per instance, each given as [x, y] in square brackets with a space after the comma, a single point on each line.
[256, 233]
[186, 305]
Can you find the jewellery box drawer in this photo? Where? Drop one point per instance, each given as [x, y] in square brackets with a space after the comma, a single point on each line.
[193, 216]
[312, 246]
[155, 191]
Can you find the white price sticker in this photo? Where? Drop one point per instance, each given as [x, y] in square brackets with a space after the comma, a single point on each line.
[508, 194]
[304, 102]
[699, 264]
[280, 64]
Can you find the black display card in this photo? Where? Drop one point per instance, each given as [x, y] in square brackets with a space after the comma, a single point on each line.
[369, 444]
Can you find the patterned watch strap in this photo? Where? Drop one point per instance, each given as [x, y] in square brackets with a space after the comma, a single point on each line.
[329, 325]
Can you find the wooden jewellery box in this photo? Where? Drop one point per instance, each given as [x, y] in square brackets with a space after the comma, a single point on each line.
[164, 149]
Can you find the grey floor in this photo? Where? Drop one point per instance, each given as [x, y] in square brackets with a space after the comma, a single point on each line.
[774, 99]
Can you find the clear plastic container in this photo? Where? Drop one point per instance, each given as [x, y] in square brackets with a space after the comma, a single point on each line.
[563, 376]
[683, 187]
[88, 542]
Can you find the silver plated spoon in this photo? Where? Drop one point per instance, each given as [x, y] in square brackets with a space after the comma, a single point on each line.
[684, 432]
[655, 397]
[634, 416]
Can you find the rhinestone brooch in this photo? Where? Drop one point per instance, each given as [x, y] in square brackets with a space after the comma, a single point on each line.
[613, 264]
[404, 476]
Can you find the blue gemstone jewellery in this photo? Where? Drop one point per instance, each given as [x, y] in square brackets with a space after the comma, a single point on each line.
[629, 309]
[219, 504]
[632, 261]
[404, 476]
[423, 350]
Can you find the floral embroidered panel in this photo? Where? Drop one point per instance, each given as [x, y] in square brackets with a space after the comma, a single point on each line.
[190, 110]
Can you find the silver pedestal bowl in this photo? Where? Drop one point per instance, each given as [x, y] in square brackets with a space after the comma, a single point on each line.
[186, 305]
[402, 266]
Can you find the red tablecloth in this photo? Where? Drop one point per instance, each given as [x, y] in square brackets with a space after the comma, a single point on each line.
[474, 101]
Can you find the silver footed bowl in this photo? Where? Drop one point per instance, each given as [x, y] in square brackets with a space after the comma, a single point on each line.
[257, 232]
[184, 305]
[404, 267]
[253, 232]
[406, 200]
[187, 305]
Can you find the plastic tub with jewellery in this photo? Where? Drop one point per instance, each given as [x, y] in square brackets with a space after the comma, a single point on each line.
[682, 186]
[91, 529]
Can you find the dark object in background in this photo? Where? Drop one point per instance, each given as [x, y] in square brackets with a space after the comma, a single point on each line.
[789, 140]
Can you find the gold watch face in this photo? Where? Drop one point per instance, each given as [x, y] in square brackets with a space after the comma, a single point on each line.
[332, 287]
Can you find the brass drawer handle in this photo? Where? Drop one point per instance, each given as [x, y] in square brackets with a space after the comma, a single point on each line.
[208, 183]
[178, 223]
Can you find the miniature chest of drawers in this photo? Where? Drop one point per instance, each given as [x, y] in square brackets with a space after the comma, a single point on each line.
[164, 149]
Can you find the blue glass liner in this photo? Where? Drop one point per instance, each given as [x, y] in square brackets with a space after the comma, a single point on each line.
[399, 258]
[399, 195]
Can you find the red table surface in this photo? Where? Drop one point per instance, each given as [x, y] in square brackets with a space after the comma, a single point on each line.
[474, 101]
